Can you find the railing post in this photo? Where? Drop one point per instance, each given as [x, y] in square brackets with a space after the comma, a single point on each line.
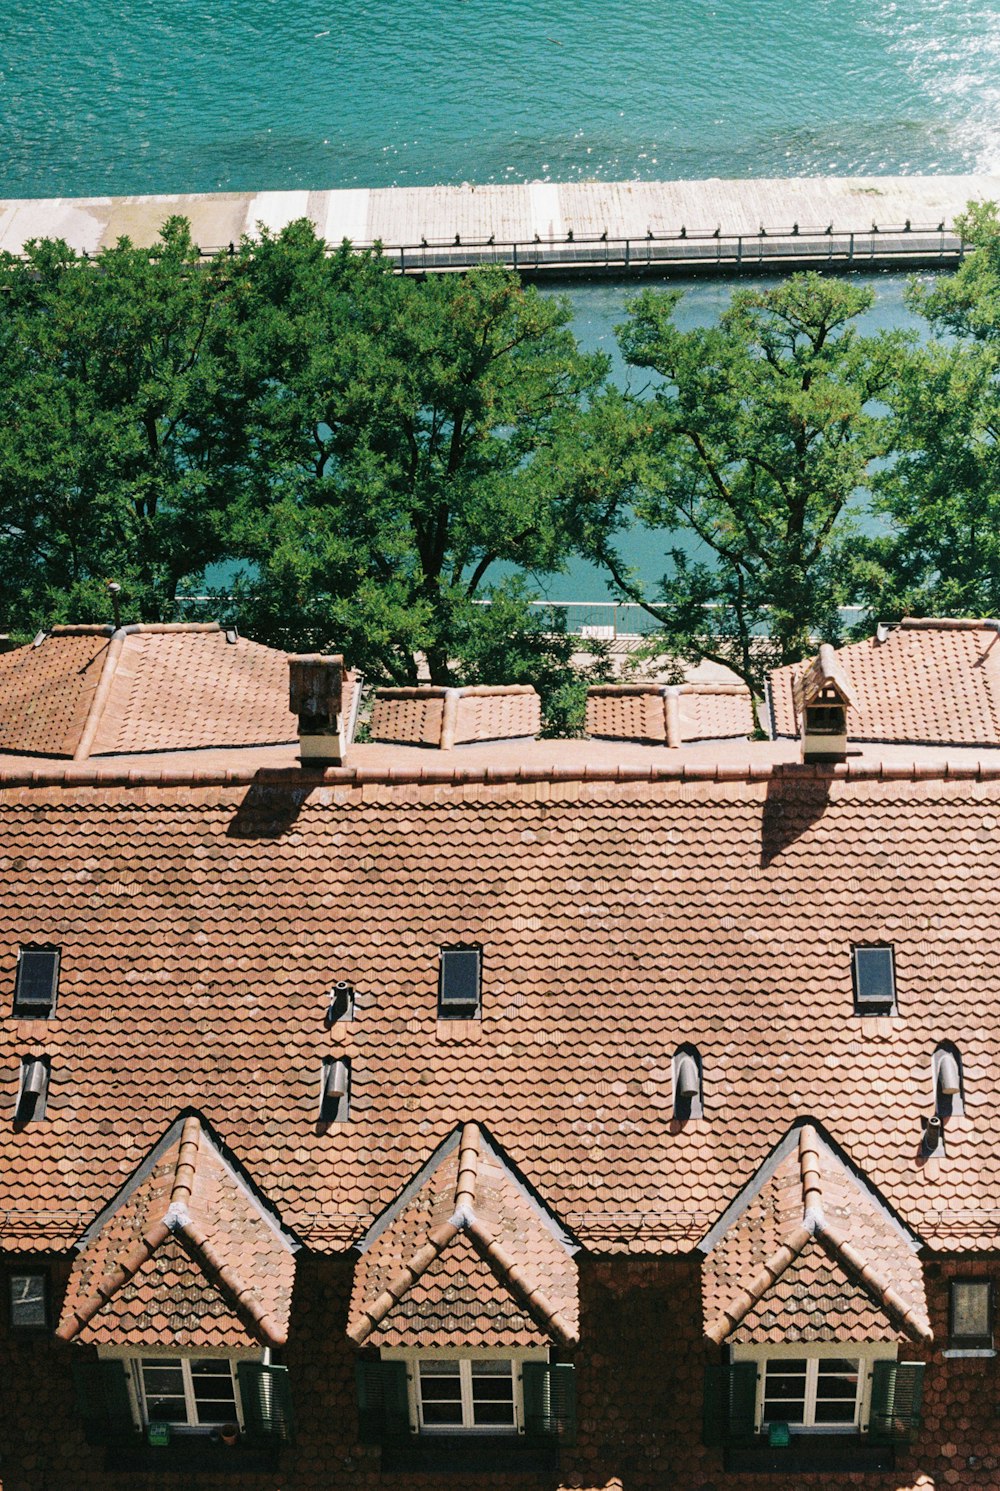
[739, 250]
[628, 247]
[515, 257]
[850, 251]
[402, 260]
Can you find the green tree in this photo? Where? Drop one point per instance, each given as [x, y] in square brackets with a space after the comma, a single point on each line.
[408, 439]
[757, 433]
[939, 499]
[120, 431]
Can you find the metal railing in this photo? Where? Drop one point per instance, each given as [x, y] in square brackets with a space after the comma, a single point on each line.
[777, 248]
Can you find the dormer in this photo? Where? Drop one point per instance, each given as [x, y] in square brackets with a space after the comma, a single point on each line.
[823, 696]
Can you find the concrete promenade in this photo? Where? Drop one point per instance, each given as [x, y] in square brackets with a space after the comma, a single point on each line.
[552, 225]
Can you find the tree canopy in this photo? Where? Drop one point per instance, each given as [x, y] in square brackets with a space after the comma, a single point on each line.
[758, 431]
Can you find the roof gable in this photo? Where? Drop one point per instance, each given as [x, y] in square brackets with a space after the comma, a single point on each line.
[129, 1277]
[806, 1228]
[434, 1259]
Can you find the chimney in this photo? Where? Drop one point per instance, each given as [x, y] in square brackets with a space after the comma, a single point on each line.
[823, 696]
[315, 694]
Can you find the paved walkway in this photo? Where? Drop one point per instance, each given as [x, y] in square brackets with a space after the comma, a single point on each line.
[549, 213]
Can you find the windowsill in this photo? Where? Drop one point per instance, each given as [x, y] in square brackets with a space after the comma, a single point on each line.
[476, 1431]
[959, 1351]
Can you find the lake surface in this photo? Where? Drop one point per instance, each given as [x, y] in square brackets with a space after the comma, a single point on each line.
[97, 96]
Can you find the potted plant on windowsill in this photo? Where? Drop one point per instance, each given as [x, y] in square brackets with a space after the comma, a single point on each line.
[229, 1433]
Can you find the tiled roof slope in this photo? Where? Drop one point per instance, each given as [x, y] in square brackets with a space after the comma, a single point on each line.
[930, 681]
[183, 1254]
[809, 1249]
[92, 691]
[468, 1254]
[202, 929]
[46, 692]
[645, 711]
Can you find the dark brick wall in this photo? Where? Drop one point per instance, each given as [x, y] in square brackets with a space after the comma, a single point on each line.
[639, 1376]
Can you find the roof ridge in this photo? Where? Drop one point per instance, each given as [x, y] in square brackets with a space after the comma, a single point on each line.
[871, 1279]
[518, 1279]
[109, 1284]
[770, 1272]
[229, 1279]
[85, 774]
[436, 1239]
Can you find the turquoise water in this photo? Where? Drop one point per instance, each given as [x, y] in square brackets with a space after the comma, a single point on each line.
[101, 96]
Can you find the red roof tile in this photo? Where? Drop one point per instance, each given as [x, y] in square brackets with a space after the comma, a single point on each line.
[930, 681]
[185, 1251]
[671, 714]
[806, 1250]
[465, 1255]
[621, 912]
[93, 692]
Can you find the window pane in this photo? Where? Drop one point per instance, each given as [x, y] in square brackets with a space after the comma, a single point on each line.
[212, 1381]
[440, 1394]
[27, 1299]
[785, 1391]
[493, 1393]
[970, 1311]
[163, 1385]
[836, 1391]
[876, 983]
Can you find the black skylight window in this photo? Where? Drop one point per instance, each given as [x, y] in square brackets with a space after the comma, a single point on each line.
[459, 992]
[874, 980]
[37, 982]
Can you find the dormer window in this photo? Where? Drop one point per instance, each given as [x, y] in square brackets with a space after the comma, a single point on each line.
[874, 981]
[460, 984]
[36, 983]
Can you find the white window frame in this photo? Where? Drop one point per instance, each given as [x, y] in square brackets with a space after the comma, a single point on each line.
[866, 1353]
[133, 1357]
[517, 1356]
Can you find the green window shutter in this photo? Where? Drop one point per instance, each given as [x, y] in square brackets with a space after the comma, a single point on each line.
[383, 1400]
[730, 1403]
[103, 1402]
[267, 1403]
[897, 1393]
[549, 1390]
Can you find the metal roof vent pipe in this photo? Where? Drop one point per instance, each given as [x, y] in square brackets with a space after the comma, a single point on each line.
[948, 1085]
[335, 1091]
[316, 695]
[687, 1084]
[933, 1141]
[33, 1091]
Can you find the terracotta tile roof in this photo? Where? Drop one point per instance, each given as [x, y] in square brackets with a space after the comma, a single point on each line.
[929, 681]
[465, 1254]
[443, 718]
[807, 1250]
[47, 691]
[89, 691]
[622, 911]
[671, 714]
[184, 1254]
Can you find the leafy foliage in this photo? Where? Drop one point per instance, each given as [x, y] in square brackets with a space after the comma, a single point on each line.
[758, 432]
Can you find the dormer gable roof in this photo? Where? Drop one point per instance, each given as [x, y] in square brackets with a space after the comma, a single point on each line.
[823, 678]
[185, 1231]
[467, 1250]
[806, 1227]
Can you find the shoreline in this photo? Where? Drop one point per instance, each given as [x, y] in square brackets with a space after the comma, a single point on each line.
[619, 227]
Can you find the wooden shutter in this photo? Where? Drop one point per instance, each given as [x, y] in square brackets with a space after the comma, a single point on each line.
[549, 1390]
[383, 1400]
[267, 1403]
[897, 1392]
[730, 1403]
[103, 1402]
